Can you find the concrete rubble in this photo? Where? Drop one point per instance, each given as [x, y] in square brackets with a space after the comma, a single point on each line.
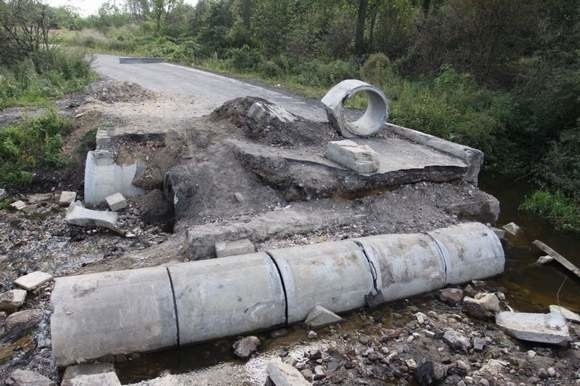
[12, 300]
[99, 374]
[245, 347]
[451, 296]
[484, 305]
[321, 317]
[282, 374]
[548, 328]
[33, 280]
[28, 378]
[566, 313]
[360, 158]
[18, 205]
[66, 198]
[233, 248]
[78, 215]
[116, 202]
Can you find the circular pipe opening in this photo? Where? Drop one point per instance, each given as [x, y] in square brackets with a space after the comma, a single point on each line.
[374, 117]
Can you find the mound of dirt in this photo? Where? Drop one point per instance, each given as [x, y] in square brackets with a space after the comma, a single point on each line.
[110, 91]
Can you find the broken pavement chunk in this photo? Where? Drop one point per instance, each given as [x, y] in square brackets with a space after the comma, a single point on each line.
[33, 280]
[540, 328]
[18, 205]
[12, 300]
[98, 374]
[116, 202]
[233, 248]
[78, 215]
[67, 198]
[320, 317]
[360, 158]
[566, 313]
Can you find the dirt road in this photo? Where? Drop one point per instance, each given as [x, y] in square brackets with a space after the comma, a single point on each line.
[208, 90]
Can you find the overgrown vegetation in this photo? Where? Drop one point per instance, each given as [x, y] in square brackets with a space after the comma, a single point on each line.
[29, 145]
[557, 208]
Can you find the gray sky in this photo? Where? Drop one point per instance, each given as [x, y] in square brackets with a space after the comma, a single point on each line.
[88, 7]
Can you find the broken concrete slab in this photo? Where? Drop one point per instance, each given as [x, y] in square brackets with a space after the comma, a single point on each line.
[116, 202]
[483, 206]
[566, 313]
[283, 374]
[261, 110]
[80, 216]
[320, 317]
[513, 229]
[548, 328]
[33, 280]
[98, 374]
[360, 158]
[18, 205]
[233, 248]
[21, 377]
[67, 198]
[12, 300]
[374, 116]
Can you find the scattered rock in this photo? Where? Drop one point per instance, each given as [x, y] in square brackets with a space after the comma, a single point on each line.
[312, 334]
[12, 300]
[320, 317]
[544, 260]
[116, 202]
[411, 364]
[429, 373]
[99, 374]
[33, 280]
[319, 372]
[78, 215]
[234, 248]
[513, 229]
[23, 320]
[483, 306]
[246, 346]
[239, 197]
[566, 313]
[421, 317]
[67, 198]
[18, 205]
[28, 378]
[479, 344]
[541, 328]
[456, 340]
[451, 296]
[282, 374]
[493, 367]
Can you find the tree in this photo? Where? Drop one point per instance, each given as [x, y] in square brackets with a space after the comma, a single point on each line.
[359, 40]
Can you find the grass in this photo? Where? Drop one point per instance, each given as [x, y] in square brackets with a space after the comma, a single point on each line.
[561, 211]
[29, 145]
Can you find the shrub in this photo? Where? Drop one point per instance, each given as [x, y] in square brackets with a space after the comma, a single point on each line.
[29, 145]
[377, 69]
[560, 210]
[270, 70]
[319, 73]
[244, 59]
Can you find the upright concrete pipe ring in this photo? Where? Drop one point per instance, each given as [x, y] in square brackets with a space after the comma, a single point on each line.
[370, 122]
[154, 308]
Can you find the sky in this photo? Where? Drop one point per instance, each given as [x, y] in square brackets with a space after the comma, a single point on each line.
[88, 7]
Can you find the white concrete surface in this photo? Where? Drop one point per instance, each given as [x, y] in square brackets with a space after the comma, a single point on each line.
[33, 280]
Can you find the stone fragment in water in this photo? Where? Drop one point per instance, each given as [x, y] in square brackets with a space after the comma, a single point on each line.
[545, 259]
[566, 313]
[28, 378]
[282, 374]
[33, 280]
[320, 317]
[99, 374]
[233, 248]
[540, 328]
[246, 346]
[67, 198]
[12, 300]
[360, 158]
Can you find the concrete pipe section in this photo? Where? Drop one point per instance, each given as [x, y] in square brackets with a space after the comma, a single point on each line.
[370, 122]
[154, 308]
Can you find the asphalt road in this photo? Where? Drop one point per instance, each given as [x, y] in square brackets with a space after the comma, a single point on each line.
[207, 90]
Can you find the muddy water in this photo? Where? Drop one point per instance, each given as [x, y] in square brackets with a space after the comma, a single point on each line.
[532, 287]
[528, 286]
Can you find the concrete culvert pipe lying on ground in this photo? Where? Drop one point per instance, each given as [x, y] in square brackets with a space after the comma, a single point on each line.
[372, 120]
[155, 308]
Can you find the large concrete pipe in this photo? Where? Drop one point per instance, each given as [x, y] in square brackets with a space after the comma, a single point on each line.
[334, 275]
[372, 120]
[150, 309]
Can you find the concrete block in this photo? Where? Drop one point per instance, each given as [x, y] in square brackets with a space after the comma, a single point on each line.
[283, 374]
[80, 216]
[99, 374]
[33, 280]
[67, 198]
[233, 248]
[116, 202]
[28, 378]
[12, 300]
[360, 158]
[320, 317]
[18, 205]
[540, 328]
[566, 313]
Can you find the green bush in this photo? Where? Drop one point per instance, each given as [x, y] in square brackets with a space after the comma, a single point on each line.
[244, 59]
[560, 210]
[377, 69]
[29, 145]
[270, 70]
[319, 73]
